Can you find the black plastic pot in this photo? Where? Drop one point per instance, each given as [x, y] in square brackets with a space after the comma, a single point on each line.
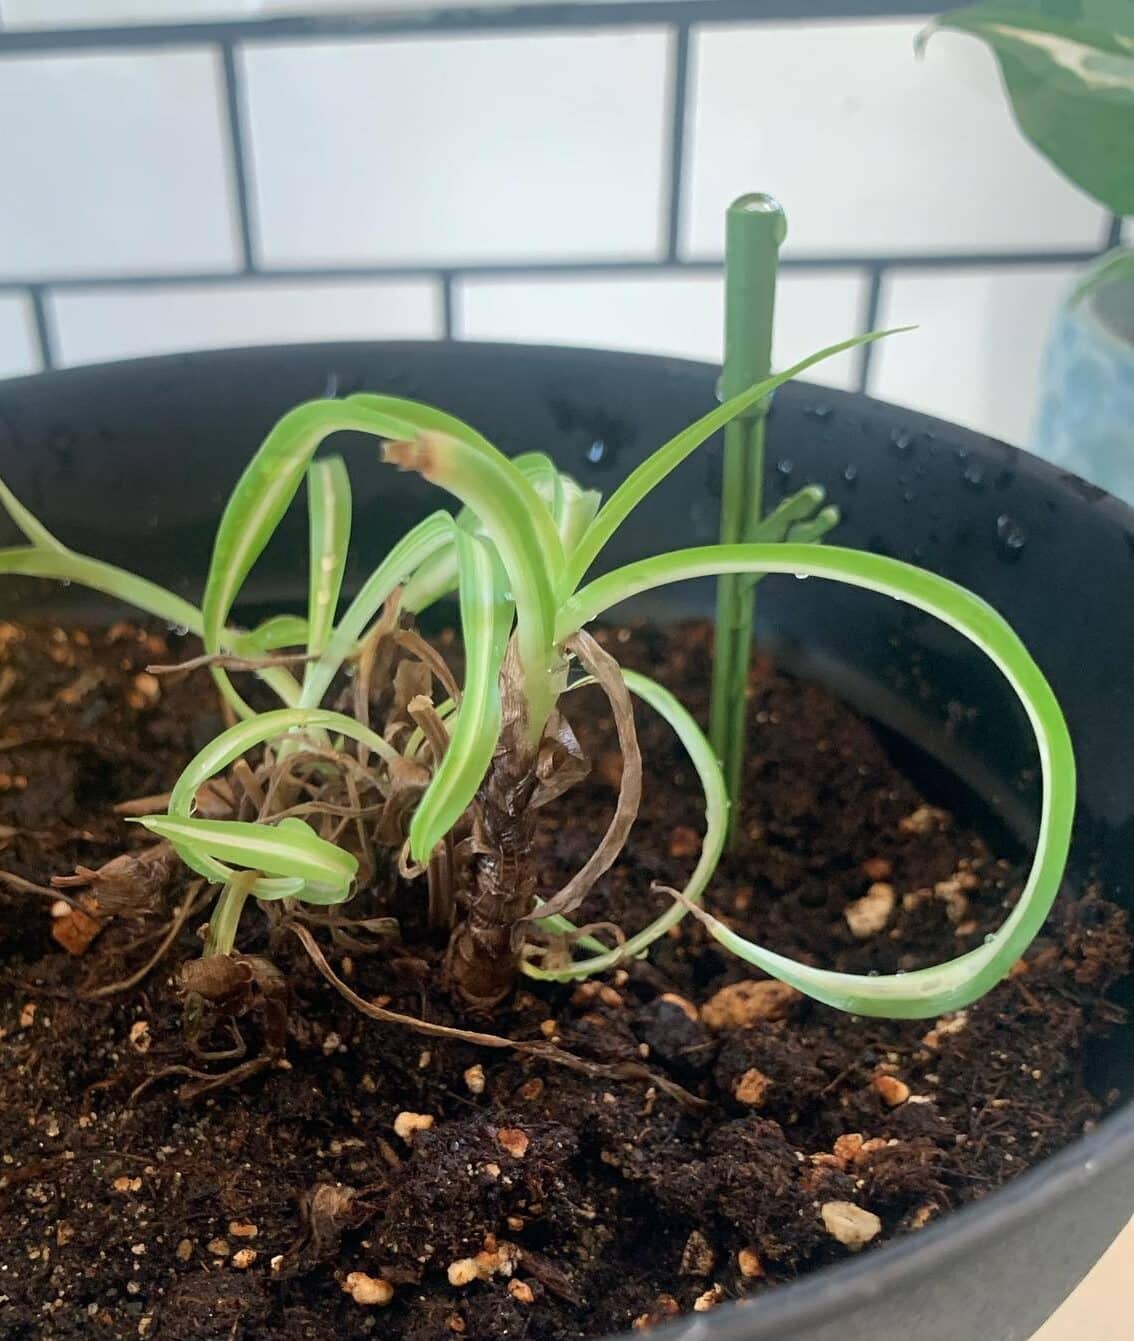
[132, 462]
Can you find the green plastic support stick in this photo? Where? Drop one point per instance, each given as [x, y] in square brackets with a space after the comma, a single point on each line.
[754, 232]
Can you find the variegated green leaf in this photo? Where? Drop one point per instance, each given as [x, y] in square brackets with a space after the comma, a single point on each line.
[486, 618]
[297, 861]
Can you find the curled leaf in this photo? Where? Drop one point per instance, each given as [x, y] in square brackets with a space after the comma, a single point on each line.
[716, 828]
[608, 674]
[303, 864]
[560, 763]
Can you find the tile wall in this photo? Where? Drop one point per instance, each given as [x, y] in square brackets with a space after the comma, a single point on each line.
[212, 173]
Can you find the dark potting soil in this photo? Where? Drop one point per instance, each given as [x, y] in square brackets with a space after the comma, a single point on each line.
[563, 1205]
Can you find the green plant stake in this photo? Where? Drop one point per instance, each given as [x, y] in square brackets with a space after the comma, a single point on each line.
[755, 229]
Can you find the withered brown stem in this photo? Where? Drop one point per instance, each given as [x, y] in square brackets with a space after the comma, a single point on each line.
[484, 952]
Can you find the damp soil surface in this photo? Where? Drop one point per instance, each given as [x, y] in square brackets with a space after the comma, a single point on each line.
[770, 1137]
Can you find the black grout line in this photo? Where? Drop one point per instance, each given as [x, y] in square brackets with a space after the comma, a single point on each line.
[237, 145]
[534, 269]
[869, 323]
[446, 278]
[1113, 232]
[461, 19]
[678, 102]
[43, 332]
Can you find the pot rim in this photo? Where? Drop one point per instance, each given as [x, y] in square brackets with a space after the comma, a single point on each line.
[822, 1295]
[1053, 475]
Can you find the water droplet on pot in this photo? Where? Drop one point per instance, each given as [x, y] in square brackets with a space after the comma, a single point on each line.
[908, 496]
[902, 440]
[850, 473]
[990, 938]
[1010, 536]
[820, 412]
[973, 474]
[801, 577]
[785, 466]
[596, 451]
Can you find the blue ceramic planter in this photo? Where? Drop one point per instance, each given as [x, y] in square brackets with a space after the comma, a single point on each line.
[1086, 414]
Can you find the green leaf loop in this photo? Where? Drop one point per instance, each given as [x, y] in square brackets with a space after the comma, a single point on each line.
[957, 983]
[712, 845]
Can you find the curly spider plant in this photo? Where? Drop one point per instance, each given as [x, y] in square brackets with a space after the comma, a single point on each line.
[456, 785]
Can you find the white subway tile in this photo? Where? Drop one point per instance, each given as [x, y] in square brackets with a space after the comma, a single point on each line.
[869, 148]
[975, 357]
[673, 314]
[111, 323]
[88, 13]
[515, 147]
[94, 13]
[112, 164]
[815, 309]
[19, 351]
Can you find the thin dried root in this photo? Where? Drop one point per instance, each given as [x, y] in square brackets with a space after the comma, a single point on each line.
[547, 1052]
[22, 886]
[204, 1082]
[180, 917]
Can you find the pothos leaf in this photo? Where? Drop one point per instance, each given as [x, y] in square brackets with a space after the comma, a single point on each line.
[1070, 80]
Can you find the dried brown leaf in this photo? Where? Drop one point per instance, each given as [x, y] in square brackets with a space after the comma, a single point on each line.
[560, 763]
[609, 676]
[130, 885]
